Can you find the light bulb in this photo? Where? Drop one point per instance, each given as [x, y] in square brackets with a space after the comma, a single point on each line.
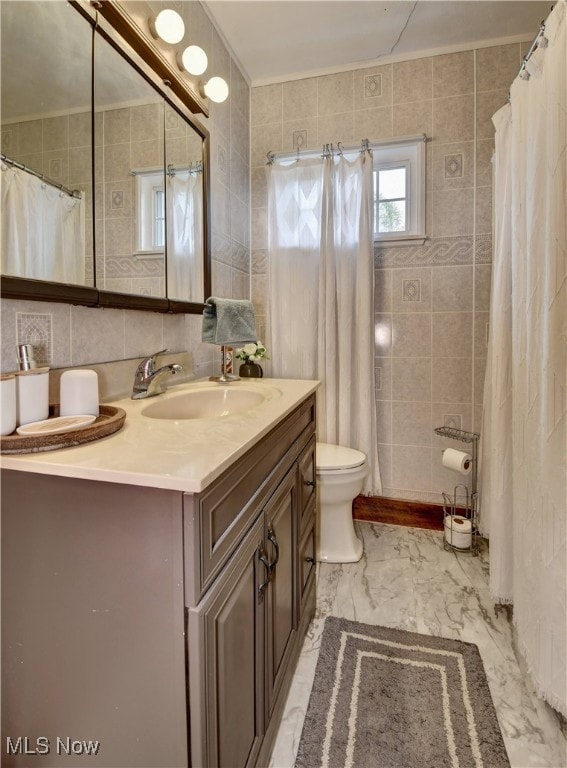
[194, 60]
[168, 25]
[216, 89]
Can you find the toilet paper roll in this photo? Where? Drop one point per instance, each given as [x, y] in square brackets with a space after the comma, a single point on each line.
[458, 531]
[78, 393]
[457, 460]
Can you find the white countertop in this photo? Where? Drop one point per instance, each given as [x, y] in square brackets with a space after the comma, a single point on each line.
[182, 455]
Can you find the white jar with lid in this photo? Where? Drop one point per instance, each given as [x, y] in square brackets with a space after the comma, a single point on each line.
[32, 395]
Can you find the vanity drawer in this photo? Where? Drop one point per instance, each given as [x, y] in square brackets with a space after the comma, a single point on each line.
[217, 519]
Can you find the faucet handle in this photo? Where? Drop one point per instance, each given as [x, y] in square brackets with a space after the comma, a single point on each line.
[147, 365]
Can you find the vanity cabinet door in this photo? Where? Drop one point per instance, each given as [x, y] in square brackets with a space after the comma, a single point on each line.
[307, 480]
[281, 606]
[226, 673]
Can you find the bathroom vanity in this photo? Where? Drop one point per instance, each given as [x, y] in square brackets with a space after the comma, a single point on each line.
[157, 586]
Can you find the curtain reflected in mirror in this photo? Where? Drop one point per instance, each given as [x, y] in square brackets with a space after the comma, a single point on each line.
[46, 156]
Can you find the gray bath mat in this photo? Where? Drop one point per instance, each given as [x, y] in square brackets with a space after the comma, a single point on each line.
[393, 699]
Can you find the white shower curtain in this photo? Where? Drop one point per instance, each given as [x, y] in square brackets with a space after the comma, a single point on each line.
[321, 292]
[43, 230]
[524, 440]
[185, 236]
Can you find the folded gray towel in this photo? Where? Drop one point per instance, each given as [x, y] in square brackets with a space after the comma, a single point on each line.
[228, 321]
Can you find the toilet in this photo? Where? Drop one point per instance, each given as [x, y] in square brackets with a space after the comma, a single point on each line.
[340, 476]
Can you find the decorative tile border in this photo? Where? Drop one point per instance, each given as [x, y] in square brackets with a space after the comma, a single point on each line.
[483, 249]
[440, 251]
[411, 290]
[130, 266]
[36, 330]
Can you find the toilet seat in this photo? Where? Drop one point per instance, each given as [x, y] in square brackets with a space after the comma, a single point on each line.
[336, 458]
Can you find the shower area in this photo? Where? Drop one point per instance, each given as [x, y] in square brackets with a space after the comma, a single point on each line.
[431, 328]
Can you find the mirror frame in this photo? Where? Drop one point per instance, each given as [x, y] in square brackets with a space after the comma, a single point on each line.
[118, 28]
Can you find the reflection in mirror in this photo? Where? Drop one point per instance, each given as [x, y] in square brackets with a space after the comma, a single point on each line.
[46, 164]
[184, 204]
[129, 178]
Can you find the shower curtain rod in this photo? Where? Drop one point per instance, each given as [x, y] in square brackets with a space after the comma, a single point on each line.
[329, 150]
[540, 41]
[171, 170]
[71, 192]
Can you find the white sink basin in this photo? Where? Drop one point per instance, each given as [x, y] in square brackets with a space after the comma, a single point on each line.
[205, 404]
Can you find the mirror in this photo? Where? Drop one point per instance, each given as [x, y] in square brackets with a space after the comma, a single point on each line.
[134, 235]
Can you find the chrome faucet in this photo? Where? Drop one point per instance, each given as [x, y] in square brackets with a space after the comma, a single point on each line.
[149, 382]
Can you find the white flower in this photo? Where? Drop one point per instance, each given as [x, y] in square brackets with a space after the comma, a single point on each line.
[249, 349]
[251, 352]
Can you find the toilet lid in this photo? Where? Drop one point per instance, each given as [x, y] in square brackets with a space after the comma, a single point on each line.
[329, 456]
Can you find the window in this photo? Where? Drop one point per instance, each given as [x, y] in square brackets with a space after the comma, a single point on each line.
[399, 191]
[150, 211]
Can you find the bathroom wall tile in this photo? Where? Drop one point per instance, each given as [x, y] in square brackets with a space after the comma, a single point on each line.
[384, 421]
[383, 377]
[259, 186]
[259, 233]
[219, 115]
[259, 263]
[300, 134]
[118, 202]
[496, 67]
[220, 213]
[452, 165]
[97, 335]
[30, 137]
[118, 237]
[300, 98]
[481, 320]
[453, 74]
[240, 284]
[413, 118]
[412, 424]
[452, 380]
[334, 128]
[411, 289]
[55, 133]
[80, 166]
[484, 151]
[174, 335]
[240, 131]
[383, 290]
[483, 210]
[267, 104]
[239, 175]
[486, 105]
[238, 220]
[259, 295]
[483, 248]
[412, 80]
[373, 124]
[221, 279]
[176, 151]
[385, 464]
[479, 375]
[411, 378]
[36, 328]
[149, 154]
[116, 162]
[239, 89]
[453, 212]
[80, 134]
[56, 165]
[373, 87]
[411, 468]
[335, 93]
[482, 276]
[453, 118]
[452, 289]
[411, 334]
[145, 121]
[265, 138]
[116, 126]
[452, 334]
[240, 256]
[383, 334]
[142, 334]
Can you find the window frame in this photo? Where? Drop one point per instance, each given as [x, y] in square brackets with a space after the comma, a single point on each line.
[411, 152]
[148, 182]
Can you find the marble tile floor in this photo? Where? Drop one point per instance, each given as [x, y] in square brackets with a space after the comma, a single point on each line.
[406, 579]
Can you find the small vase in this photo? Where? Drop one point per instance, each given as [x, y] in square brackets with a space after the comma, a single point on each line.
[250, 371]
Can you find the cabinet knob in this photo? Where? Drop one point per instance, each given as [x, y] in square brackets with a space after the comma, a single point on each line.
[312, 483]
[310, 560]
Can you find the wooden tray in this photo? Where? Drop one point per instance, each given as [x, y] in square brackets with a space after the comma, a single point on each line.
[110, 420]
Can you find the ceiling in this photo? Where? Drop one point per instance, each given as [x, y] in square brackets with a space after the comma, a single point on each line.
[277, 40]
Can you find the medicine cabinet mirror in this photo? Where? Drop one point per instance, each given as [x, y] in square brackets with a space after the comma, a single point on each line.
[104, 166]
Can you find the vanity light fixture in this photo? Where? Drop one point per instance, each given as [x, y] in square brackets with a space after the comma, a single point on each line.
[168, 25]
[216, 89]
[193, 60]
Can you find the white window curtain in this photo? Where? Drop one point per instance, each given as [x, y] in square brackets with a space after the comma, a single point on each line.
[185, 236]
[524, 436]
[43, 230]
[321, 293]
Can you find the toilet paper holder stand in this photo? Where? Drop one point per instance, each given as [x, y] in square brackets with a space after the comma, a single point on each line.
[463, 503]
